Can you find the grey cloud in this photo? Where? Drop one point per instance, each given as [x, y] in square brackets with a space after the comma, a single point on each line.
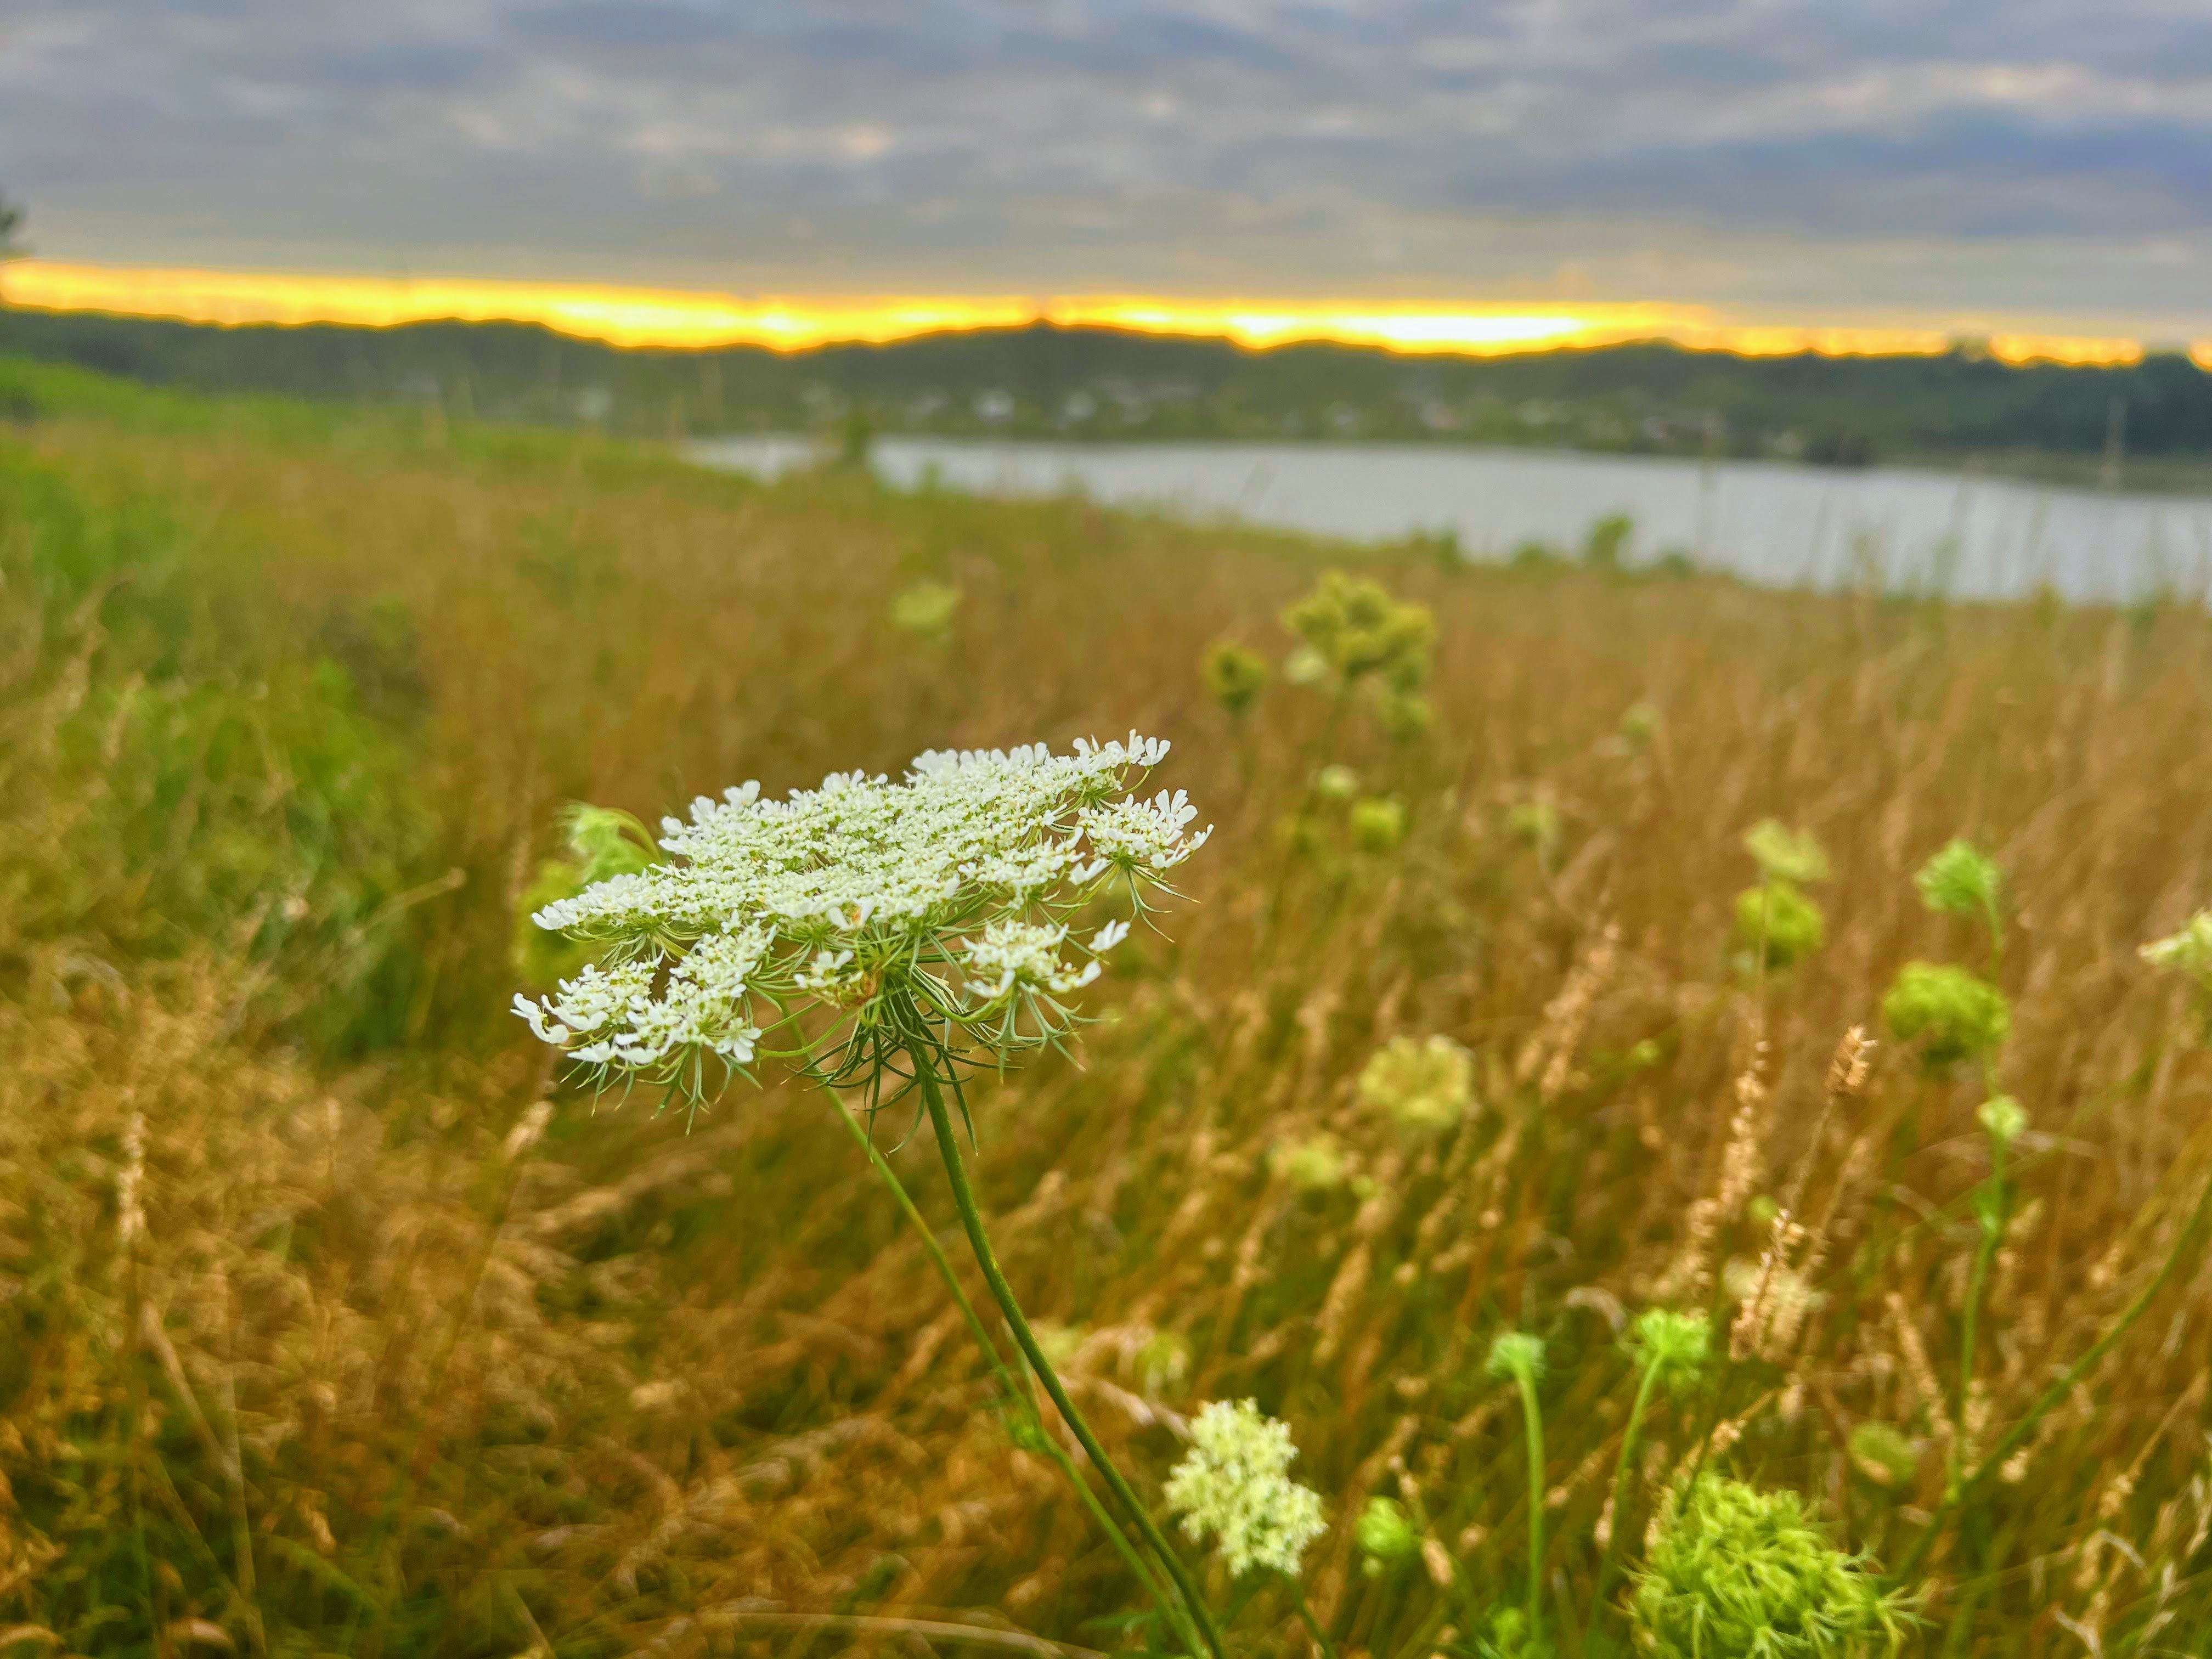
[1271, 145]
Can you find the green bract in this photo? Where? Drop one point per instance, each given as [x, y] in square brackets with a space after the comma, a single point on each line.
[1961, 881]
[1956, 1013]
[1785, 854]
[866, 918]
[1356, 628]
[1235, 674]
[602, 841]
[1738, 1573]
[1778, 919]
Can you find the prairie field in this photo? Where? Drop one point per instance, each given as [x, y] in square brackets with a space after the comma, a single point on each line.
[335, 1318]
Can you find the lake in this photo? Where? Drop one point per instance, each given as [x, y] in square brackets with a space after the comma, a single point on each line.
[1770, 521]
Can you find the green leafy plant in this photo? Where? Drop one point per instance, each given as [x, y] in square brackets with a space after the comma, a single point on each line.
[1740, 1573]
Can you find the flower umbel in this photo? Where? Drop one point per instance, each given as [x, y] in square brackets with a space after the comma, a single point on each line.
[1426, 1084]
[943, 905]
[1234, 1483]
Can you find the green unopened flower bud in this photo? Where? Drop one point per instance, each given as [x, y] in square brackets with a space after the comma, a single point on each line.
[1384, 1531]
[927, 609]
[1672, 1346]
[1318, 1165]
[1782, 921]
[2189, 952]
[1404, 715]
[1378, 824]
[1960, 881]
[1235, 674]
[1535, 824]
[1731, 1566]
[1357, 629]
[606, 842]
[1958, 1014]
[1884, 1454]
[1640, 724]
[1307, 667]
[1163, 1362]
[1426, 1084]
[1785, 854]
[1336, 783]
[2005, 1118]
[1517, 1354]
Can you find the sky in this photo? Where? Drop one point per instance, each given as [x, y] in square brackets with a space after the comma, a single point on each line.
[1969, 166]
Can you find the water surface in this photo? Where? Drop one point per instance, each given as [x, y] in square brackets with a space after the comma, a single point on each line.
[1770, 522]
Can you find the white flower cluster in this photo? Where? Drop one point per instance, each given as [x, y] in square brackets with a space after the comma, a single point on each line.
[955, 887]
[1234, 1482]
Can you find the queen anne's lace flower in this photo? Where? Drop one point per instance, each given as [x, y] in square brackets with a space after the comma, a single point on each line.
[1234, 1483]
[953, 891]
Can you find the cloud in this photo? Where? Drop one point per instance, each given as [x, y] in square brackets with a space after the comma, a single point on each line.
[1272, 145]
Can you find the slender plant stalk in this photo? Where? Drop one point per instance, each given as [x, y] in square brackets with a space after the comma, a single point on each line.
[1322, 745]
[1532, 1416]
[1992, 1223]
[1313, 1625]
[1167, 1601]
[972, 1219]
[2017, 1436]
[1629, 1441]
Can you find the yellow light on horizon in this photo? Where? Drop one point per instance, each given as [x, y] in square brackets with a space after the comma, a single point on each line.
[685, 319]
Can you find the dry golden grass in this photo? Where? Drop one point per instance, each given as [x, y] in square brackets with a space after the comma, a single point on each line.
[413, 1350]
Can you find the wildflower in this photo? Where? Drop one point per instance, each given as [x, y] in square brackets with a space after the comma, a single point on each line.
[1640, 723]
[1306, 666]
[602, 841]
[1785, 854]
[1883, 1453]
[943, 904]
[1234, 1483]
[1235, 674]
[1318, 1165]
[927, 609]
[1404, 715]
[1336, 783]
[1776, 919]
[1672, 1347]
[1734, 1571]
[1162, 1362]
[2188, 952]
[1517, 1355]
[1357, 629]
[1385, 1535]
[1960, 1014]
[1535, 824]
[1378, 824]
[1424, 1084]
[2003, 1117]
[1961, 881]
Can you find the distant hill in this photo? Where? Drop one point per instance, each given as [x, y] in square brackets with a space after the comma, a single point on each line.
[1101, 383]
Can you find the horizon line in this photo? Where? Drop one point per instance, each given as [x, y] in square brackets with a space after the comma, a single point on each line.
[683, 319]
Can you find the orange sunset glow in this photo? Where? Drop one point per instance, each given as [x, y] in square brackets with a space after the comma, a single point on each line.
[690, 319]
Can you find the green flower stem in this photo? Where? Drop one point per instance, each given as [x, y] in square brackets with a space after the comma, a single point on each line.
[1313, 1625]
[1168, 1602]
[971, 1218]
[1532, 1416]
[1629, 1440]
[1993, 1226]
[2017, 1436]
[1323, 745]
